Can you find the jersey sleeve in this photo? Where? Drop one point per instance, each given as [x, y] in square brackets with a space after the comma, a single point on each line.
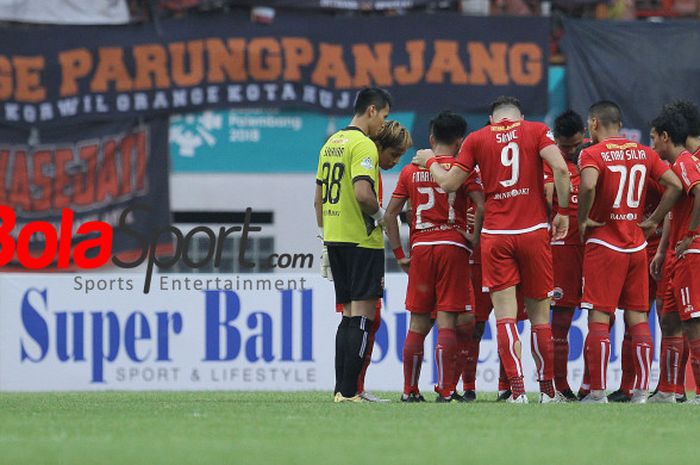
[465, 157]
[589, 160]
[401, 190]
[548, 174]
[689, 174]
[363, 161]
[658, 167]
[545, 137]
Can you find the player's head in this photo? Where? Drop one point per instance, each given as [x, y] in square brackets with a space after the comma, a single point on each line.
[392, 141]
[372, 104]
[604, 117]
[689, 112]
[568, 133]
[505, 108]
[669, 130]
[448, 129]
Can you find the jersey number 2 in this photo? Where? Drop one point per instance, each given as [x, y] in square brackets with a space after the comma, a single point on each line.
[430, 192]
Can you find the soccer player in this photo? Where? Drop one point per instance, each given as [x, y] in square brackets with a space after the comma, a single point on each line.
[614, 180]
[668, 134]
[567, 253]
[348, 210]
[515, 241]
[438, 269]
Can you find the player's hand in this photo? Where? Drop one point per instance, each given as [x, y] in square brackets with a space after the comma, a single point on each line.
[585, 226]
[656, 265]
[683, 245]
[648, 227]
[560, 226]
[404, 263]
[422, 157]
[326, 265]
[471, 238]
[471, 219]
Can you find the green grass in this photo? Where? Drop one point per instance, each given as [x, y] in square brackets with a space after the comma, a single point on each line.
[308, 429]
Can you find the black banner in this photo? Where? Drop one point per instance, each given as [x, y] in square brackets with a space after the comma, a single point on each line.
[428, 62]
[640, 66]
[96, 170]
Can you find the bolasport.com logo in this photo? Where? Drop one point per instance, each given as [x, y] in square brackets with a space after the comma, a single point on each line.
[89, 245]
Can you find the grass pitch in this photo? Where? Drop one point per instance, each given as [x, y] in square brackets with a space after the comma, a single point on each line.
[308, 429]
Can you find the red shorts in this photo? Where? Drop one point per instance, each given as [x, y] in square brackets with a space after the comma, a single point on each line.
[683, 291]
[524, 259]
[614, 279]
[482, 300]
[567, 261]
[438, 279]
[340, 307]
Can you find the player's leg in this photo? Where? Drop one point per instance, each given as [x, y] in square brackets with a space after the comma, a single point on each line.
[501, 275]
[567, 262]
[635, 301]
[670, 355]
[482, 310]
[686, 284]
[419, 327]
[420, 302]
[368, 356]
[339, 267]
[534, 256]
[453, 298]
[465, 341]
[446, 355]
[366, 272]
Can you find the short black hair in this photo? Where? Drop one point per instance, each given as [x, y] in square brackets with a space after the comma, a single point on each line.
[672, 123]
[368, 96]
[503, 101]
[568, 124]
[690, 114]
[447, 127]
[607, 112]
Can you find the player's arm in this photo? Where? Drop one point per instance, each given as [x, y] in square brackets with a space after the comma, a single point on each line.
[366, 197]
[318, 205]
[449, 180]
[672, 192]
[693, 224]
[477, 198]
[552, 156]
[549, 194]
[657, 263]
[391, 225]
[586, 196]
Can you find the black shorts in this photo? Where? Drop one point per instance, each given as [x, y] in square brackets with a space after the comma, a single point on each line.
[358, 273]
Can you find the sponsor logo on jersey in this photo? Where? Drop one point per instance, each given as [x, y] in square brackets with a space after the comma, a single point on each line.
[367, 163]
[623, 216]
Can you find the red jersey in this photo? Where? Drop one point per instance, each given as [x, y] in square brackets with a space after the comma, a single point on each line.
[572, 236]
[654, 193]
[624, 169]
[508, 156]
[437, 216]
[687, 168]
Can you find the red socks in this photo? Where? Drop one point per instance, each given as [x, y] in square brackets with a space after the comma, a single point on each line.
[543, 353]
[597, 352]
[627, 362]
[509, 352]
[465, 336]
[412, 361]
[695, 361]
[446, 359]
[561, 323]
[669, 363]
[469, 371]
[680, 387]
[643, 350]
[503, 383]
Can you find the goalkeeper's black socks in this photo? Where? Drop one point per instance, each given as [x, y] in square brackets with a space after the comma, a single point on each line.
[357, 342]
[341, 336]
